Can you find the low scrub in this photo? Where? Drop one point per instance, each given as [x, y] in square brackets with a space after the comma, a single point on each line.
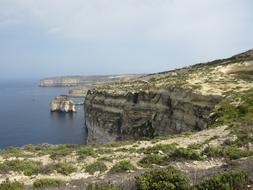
[151, 159]
[96, 167]
[62, 168]
[161, 179]
[46, 182]
[122, 166]
[186, 153]
[7, 185]
[28, 167]
[233, 180]
[102, 186]
[85, 151]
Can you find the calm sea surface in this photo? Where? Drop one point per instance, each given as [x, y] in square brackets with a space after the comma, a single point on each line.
[25, 116]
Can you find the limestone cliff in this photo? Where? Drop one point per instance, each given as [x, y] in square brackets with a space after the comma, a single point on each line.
[83, 80]
[168, 102]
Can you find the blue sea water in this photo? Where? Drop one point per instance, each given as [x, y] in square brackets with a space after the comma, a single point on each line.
[25, 116]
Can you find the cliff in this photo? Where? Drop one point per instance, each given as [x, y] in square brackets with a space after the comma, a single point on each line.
[83, 80]
[167, 102]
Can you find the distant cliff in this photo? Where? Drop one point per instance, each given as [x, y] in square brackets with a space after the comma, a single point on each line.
[83, 80]
[167, 102]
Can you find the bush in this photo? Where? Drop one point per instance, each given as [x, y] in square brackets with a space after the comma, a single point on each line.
[161, 179]
[211, 151]
[102, 186]
[153, 159]
[83, 152]
[28, 167]
[186, 153]
[12, 152]
[122, 166]
[95, 167]
[233, 180]
[46, 182]
[63, 168]
[165, 148]
[61, 151]
[234, 152]
[7, 185]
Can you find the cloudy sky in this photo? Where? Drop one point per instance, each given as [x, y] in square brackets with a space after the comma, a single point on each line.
[41, 38]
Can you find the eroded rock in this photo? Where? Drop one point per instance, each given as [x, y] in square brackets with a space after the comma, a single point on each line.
[62, 104]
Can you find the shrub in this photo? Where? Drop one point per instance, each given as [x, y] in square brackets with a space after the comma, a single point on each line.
[28, 167]
[165, 148]
[102, 186]
[233, 180]
[211, 151]
[12, 152]
[46, 182]
[63, 168]
[161, 179]
[95, 167]
[61, 151]
[7, 185]
[122, 166]
[153, 159]
[234, 152]
[85, 151]
[186, 153]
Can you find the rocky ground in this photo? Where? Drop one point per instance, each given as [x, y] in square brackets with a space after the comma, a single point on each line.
[77, 165]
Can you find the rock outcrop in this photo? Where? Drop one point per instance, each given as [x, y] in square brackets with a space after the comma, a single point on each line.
[62, 104]
[168, 102]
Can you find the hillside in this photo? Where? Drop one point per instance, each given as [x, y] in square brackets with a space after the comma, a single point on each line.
[166, 130]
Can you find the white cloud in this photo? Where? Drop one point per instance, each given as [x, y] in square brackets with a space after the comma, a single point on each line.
[131, 19]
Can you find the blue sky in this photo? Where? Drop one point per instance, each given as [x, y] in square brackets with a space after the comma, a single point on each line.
[42, 38]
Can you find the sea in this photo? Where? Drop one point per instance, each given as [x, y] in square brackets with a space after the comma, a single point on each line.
[25, 116]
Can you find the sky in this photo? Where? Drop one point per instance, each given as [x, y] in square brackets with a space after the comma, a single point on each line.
[43, 38]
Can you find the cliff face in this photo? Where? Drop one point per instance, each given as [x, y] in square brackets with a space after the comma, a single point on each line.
[168, 102]
[146, 113]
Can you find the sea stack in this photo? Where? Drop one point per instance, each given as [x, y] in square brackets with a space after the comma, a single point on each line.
[62, 104]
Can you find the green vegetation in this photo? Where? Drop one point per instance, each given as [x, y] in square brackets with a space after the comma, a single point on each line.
[102, 186]
[233, 180]
[115, 144]
[122, 166]
[85, 151]
[160, 148]
[7, 185]
[151, 159]
[234, 152]
[12, 152]
[28, 167]
[212, 151]
[235, 109]
[62, 168]
[46, 182]
[61, 151]
[186, 153]
[171, 179]
[162, 154]
[160, 179]
[95, 167]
